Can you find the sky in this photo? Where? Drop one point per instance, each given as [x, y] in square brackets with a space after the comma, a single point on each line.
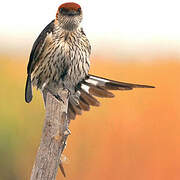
[116, 25]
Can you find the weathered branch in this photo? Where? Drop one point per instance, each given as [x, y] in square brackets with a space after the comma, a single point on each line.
[53, 139]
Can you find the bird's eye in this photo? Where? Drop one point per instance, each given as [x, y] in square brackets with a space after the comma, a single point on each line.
[79, 9]
[61, 10]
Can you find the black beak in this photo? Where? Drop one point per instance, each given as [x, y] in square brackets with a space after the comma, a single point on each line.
[70, 12]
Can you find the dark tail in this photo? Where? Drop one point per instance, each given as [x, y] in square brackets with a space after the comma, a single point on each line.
[28, 89]
[99, 87]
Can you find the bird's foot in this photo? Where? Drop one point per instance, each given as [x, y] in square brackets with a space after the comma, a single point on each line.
[59, 98]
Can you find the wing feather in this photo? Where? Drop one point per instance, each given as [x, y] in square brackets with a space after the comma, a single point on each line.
[38, 46]
[37, 49]
[97, 86]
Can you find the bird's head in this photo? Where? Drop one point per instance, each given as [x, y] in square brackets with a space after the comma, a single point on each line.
[69, 16]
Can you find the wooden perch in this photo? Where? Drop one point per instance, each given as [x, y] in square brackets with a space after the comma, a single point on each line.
[53, 139]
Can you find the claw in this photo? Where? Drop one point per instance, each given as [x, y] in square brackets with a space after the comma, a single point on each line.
[58, 98]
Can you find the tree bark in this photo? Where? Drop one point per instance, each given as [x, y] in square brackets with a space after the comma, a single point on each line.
[54, 135]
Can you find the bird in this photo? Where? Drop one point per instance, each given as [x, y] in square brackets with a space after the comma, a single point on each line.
[60, 58]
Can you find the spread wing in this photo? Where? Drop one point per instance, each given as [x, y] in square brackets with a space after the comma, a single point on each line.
[94, 86]
[37, 49]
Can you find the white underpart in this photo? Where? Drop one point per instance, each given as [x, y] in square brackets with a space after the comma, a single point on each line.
[85, 87]
[44, 84]
[92, 81]
[99, 79]
[47, 40]
[49, 36]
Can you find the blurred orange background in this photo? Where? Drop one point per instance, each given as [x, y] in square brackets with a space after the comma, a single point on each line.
[132, 136]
